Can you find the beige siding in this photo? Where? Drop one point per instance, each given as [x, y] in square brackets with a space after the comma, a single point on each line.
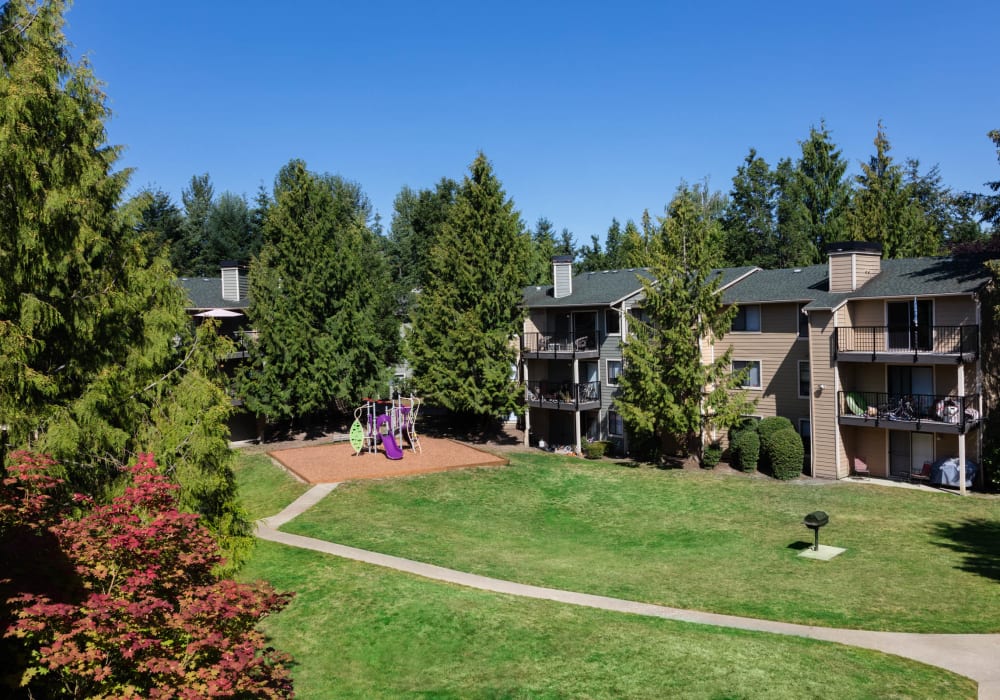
[779, 351]
[867, 312]
[954, 311]
[946, 446]
[946, 380]
[868, 444]
[535, 322]
[841, 273]
[866, 266]
[828, 460]
[856, 376]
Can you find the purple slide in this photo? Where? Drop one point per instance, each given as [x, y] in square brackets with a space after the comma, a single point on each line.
[392, 450]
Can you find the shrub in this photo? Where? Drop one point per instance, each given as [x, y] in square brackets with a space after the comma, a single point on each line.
[595, 449]
[786, 454]
[766, 429]
[150, 619]
[711, 455]
[745, 446]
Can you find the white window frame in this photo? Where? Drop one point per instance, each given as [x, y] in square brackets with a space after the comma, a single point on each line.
[799, 378]
[745, 308]
[613, 412]
[760, 373]
[607, 371]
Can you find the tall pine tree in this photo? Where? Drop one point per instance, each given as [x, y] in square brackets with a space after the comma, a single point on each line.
[322, 300]
[667, 392]
[816, 195]
[885, 209]
[98, 360]
[468, 313]
[750, 221]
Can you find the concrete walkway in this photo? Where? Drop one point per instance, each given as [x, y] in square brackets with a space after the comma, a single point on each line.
[976, 656]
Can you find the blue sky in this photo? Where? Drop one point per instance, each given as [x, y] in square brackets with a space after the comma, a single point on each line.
[587, 110]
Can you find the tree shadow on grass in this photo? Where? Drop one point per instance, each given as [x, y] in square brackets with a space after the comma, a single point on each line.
[978, 539]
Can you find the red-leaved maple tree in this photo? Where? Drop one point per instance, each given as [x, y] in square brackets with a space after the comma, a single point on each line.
[149, 618]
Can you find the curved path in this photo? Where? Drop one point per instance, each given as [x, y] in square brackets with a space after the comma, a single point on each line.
[976, 656]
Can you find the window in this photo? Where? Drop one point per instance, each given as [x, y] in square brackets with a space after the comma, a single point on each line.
[805, 430]
[804, 379]
[616, 427]
[752, 380]
[803, 322]
[613, 322]
[747, 319]
[614, 370]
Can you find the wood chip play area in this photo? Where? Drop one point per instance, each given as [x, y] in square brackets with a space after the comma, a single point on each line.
[336, 462]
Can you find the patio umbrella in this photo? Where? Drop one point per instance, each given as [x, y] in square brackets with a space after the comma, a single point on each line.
[219, 313]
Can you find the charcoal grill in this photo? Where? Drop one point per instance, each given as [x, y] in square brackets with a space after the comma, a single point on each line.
[814, 521]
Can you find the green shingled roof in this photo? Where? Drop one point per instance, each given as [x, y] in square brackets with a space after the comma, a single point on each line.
[915, 276]
[590, 289]
[791, 284]
[206, 293]
[607, 287]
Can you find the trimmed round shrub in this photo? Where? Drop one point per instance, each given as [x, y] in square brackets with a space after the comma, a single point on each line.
[766, 428]
[711, 455]
[595, 449]
[786, 454]
[745, 447]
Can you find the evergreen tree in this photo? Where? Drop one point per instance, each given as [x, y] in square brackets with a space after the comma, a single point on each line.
[321, 300]
[592, 259]
[97, 356]
[543, 248]
[417, 219]
[750, 221]
[820, 188]
[228, 233]
[469, 313]
[885, 210]
[666, 391]
[794, 246]
[613, 247]
[638, 247]
[566, 244]
[991, 202]
[160, 221]
[187, 255]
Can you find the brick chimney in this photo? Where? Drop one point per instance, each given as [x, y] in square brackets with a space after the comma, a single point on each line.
[562, 276]
[852, 263]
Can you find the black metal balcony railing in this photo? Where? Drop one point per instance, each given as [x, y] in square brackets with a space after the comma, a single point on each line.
[959, 411]
[560, 343]
[562, 395]
[937, 340]
[243, 341]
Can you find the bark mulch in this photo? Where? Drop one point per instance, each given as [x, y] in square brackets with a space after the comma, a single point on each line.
[336, 462]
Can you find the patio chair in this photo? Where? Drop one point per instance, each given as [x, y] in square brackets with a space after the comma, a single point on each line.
[580, 344]
[861, 468]
[923, 476]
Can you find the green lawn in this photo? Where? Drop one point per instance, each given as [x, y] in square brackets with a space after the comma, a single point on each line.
[915, 561]
[359, 631]
[264, 488]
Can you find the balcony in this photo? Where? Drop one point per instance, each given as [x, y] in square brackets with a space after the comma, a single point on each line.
[926, 344]
[242, 341]
[563, 396]
[560, 346]
[916, 412]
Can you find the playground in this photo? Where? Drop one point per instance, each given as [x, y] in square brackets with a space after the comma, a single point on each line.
[336, 462]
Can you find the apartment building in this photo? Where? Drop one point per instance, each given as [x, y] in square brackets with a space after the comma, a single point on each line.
[876, 362]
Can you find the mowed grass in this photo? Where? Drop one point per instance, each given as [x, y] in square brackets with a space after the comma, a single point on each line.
[264, 488]
[919, 562]
[359, 631]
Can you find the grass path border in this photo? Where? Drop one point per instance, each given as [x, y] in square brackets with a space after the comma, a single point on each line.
[971, 655]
